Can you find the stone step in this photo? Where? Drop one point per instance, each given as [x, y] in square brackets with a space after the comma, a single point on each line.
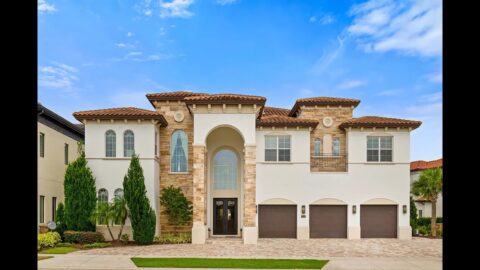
[223, 240]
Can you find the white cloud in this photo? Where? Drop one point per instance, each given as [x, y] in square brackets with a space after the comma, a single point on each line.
[413, 28]
[312, 19]
[328, 58]
[57, 76]
[44, 7]
[125, 45]
[130, 34]
[435, 77]
[351, 84]
[327, 19]
[392, 92]
[225, 2]
[176, 8]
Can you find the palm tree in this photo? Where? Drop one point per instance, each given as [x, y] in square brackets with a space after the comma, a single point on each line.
[119, 212]
[103, 214]
[429, 185]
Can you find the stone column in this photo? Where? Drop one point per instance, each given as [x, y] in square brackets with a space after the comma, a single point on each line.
[199, 230]
[250, 231]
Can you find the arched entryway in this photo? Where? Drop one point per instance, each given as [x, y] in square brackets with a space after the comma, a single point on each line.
[224, 181]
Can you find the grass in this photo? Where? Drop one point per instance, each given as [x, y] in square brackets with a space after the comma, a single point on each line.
[229, 263]
[39, 258]
[58, 250]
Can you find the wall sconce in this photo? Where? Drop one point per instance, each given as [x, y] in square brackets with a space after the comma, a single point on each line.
[354, 209]
[404, 209]
[303, 209]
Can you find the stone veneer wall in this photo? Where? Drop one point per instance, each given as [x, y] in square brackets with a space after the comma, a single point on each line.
[199, 189]
[250, 211]
[339, 115]
[181, 180]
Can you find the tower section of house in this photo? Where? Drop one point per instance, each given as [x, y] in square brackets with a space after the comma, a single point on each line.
[57, 146]
[424, 206]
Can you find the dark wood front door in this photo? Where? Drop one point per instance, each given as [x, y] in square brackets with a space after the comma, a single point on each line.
[225, 216]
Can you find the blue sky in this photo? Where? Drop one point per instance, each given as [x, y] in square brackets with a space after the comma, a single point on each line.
[101, 54]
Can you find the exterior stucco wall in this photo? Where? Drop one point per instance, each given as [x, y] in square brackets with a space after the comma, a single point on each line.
[51, 167]
[205, 123]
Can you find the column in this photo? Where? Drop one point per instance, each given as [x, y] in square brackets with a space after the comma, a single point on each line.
[250, 231]
[199, 230]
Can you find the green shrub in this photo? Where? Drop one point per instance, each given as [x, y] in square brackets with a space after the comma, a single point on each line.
[80, 196]
[423, 230]
[168, 238]
[413, 215]
[177, 206]
[125, 238]
[60, 220]
[49, 239]
[83, 237]
[97, 245]
[426, 221]
[142, 216]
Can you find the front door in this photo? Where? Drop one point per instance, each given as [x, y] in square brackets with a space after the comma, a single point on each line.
[225, 216]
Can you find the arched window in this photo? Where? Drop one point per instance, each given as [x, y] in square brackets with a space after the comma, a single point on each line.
[317, 147]
[110, 144]
[102, 195]
[128, 143]
[336, 147]
[225, 170]
[118, 193]
[179, 151]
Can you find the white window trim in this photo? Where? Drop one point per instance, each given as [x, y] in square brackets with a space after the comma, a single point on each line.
[277, 149]
[379, 149]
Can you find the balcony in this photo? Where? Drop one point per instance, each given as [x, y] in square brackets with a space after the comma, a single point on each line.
[328, 163]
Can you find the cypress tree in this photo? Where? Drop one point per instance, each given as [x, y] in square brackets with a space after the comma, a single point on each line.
[142, 216]
[60, 220]
[80, 196]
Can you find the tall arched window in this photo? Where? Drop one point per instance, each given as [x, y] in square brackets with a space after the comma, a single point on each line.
[102, 195]
[179, 152]
[336, 147]
[317, 147]
[118, 193]
[110, 144]
[225, 170]
[128, 143]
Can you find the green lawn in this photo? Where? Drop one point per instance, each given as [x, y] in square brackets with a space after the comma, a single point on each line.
[229, 263]
[39, 258]
[58, 250]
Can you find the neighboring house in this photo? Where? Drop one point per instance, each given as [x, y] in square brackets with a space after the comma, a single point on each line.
[313, 171]
[57, 146]
[424, 207]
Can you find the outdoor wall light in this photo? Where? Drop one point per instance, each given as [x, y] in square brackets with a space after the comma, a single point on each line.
[404, 209]
[303, 209]
[354, 209]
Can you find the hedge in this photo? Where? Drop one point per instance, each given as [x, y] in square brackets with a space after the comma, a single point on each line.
[426, 221]
[83, 237]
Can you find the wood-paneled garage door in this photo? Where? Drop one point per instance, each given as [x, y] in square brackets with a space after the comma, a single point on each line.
[277, 221]
[328, 221]
[378, 221]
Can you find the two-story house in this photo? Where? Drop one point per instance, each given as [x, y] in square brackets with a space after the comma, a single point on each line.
[252, 171]
[57, 146]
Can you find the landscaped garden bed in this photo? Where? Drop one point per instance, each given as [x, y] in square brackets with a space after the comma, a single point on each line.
[229, 263]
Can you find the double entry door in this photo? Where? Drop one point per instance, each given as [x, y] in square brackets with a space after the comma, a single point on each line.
[225, 216]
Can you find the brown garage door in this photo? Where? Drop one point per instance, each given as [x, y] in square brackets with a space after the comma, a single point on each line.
[277, 221]
[328, 221]
[378, 221]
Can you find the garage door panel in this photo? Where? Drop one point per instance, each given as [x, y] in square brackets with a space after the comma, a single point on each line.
[378, 221]
[277, 221]
[328, 221]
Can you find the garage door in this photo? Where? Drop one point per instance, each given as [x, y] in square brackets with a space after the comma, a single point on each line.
[378, 221]
[328, 221]
[277, 221]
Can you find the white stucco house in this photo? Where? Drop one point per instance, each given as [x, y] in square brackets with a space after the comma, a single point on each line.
[424, 206]
[253, 171]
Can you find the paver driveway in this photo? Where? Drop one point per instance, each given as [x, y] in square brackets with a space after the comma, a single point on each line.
[285, 248]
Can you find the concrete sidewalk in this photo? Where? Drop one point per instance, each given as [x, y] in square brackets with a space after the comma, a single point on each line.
[123, 262]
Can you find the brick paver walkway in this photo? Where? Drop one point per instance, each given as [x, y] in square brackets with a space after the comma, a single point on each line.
[285, 248]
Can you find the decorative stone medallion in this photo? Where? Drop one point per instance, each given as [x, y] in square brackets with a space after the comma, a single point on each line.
[327, 121]
[178, 116]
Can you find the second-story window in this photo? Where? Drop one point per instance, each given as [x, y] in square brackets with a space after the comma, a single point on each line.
[42, 144]
[336, 147]
[110, 144]
[128, 143]
[317, 144]
[277, 148]
[65, 153]
[178, 152]
[379, 148]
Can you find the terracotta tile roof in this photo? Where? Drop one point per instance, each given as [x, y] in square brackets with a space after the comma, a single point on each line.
[380, 122]
[120, 113]
[419, 165]
[285, 121]
[267, 111]
[225, 99]
[323, 101]
[177, 95]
